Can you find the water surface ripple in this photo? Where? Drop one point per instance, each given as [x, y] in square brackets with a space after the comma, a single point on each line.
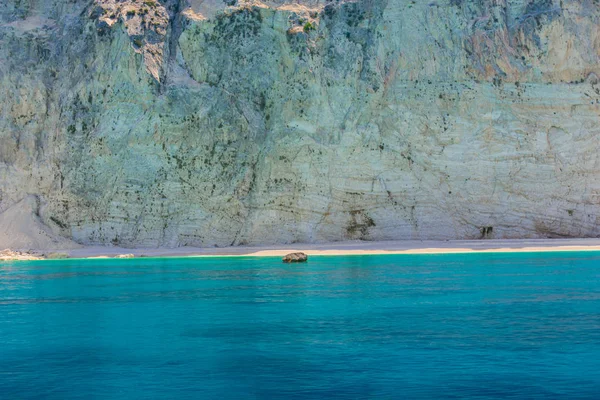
[483, 326]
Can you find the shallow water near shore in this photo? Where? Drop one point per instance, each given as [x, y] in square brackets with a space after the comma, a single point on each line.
[483, 326]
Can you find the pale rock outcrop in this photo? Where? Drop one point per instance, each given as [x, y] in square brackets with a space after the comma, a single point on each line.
[125, 256]
[11, 255]
[171, 123]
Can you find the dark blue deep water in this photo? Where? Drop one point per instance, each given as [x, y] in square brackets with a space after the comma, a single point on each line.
[491, 326]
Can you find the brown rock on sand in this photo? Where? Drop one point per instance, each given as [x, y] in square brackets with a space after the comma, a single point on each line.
[295, 258]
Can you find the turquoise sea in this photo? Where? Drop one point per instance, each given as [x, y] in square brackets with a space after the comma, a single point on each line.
[480, 326]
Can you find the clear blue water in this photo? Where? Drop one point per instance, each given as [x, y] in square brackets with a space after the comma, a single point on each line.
[519, 326]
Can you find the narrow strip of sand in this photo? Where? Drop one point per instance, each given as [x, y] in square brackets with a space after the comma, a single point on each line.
[353, 248]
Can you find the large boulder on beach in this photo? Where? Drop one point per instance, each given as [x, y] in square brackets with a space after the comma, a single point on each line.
[295, 258]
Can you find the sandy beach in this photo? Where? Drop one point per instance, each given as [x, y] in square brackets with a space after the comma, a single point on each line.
[351, 248]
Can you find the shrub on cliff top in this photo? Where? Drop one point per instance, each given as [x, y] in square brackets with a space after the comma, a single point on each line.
[309, 27]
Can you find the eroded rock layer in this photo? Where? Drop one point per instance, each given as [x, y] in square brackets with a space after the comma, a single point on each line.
[171, 123]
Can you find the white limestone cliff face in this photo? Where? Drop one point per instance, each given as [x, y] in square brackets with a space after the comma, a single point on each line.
[171, 123]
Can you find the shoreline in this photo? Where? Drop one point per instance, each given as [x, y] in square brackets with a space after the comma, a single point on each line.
[329, 249]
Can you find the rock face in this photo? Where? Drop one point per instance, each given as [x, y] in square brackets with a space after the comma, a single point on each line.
[171, 123]
[295, 258]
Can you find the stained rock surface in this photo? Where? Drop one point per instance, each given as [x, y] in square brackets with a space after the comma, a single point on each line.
[172, 123]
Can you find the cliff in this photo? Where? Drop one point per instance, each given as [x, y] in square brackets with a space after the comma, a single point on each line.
[172, 123]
